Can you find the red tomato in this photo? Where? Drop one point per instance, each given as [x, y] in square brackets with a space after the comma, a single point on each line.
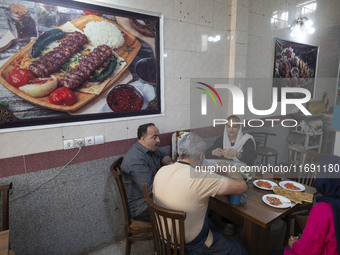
[19, 77]
[89, 13]
[62, 96]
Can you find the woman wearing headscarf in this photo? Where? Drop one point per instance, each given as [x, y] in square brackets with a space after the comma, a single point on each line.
[321, 235]
[234, 144]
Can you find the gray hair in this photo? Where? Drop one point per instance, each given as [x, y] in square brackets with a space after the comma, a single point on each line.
[191, 146]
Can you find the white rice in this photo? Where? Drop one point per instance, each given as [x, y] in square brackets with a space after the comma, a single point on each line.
[103, 32]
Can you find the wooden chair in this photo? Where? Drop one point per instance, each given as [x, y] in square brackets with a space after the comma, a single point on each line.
[135, 230]
[4, 190]
[300, 156]
[261, 147]
[168, 227]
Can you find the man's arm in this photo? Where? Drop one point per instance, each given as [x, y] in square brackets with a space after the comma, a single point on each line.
[233, 184]
[166, 161]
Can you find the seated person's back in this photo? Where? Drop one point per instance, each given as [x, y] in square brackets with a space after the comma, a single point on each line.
[180, 187]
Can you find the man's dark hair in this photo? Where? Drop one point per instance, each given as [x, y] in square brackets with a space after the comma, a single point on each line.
[143, 130]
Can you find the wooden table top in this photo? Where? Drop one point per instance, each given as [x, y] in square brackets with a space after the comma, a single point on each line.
[255, 209]
[4, 242]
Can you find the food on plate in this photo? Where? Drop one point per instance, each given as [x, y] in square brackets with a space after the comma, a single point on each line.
[51, 61]
[125, 98]
[78, 75]
[45, 39]
[40, 87]
[102, 32]
[274, 201]
[19, 77]
[291, 186]
[264, 184]
[108, 67]
[62, 96]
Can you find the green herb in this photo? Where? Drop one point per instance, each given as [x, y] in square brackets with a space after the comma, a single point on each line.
[128, 48]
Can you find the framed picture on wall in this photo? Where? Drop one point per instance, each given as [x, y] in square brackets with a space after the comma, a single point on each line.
[295, 66]
[65, 61]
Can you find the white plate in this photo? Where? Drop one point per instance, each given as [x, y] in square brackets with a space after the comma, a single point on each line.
[298, 185]
[285, 201]
[270, 182]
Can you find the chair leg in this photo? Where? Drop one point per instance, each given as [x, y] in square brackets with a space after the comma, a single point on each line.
[288, 220]
[127, 247]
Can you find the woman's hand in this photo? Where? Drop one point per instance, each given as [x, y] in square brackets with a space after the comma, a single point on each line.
[218, 152]
[292, 240]
[230, 153]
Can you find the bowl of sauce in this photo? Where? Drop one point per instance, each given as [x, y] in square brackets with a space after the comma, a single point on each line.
[125, 98]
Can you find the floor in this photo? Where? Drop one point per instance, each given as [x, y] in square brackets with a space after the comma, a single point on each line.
[146, 248]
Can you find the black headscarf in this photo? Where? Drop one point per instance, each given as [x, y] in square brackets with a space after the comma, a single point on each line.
[328, 184]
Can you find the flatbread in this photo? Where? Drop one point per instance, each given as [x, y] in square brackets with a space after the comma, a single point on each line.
[295, 196]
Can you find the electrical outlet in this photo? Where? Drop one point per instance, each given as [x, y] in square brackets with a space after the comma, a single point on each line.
[79, 142]
[89, 140]
[99, 139]
[68, 144]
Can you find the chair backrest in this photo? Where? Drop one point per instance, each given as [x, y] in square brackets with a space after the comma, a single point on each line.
[168, 227]
[115, 170]
[4, 190]
[306, 162]
[261, 138]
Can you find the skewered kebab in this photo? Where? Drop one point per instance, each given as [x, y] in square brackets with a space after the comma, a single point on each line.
[50, 62]
[78, 75]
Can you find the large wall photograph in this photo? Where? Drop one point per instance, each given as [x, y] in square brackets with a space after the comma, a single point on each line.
[294, 66]
[64, 61]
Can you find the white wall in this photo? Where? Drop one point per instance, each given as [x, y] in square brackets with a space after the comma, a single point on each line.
[245, 50]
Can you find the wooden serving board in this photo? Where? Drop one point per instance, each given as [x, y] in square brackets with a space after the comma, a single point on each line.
[128, 51]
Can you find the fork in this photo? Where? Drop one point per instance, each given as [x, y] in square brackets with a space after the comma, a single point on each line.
[277, 203]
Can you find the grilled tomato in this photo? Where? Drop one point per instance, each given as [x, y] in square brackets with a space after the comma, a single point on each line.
[19, 77]
[62, 96]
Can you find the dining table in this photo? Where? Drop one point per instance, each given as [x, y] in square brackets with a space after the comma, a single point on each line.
[4, 242]
[255, 216]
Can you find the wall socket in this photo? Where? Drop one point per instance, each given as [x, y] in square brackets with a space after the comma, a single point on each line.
[68, 144]
[81, 142]
[89, 140]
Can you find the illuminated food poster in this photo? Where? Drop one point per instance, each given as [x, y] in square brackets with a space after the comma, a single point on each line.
[294, 66]
[73, 61]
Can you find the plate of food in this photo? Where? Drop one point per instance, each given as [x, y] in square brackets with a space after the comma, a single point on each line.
[67, 67]
[293, 186]
[276, 201]
[264, 184]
